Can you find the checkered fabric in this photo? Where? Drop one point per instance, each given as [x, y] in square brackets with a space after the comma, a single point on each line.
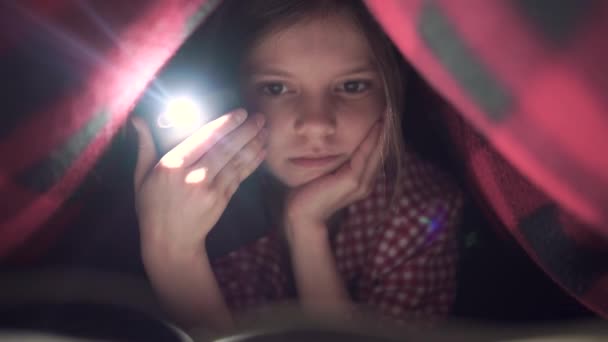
[71, 72]
[397, 256]
[528, 80]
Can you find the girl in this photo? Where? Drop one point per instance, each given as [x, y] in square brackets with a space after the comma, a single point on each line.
[360, 221]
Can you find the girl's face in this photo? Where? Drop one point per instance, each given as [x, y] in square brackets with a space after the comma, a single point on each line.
[321, 92]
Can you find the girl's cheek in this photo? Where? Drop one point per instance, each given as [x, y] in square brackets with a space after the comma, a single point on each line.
[362, 110]
[252, 106]
[277, 111]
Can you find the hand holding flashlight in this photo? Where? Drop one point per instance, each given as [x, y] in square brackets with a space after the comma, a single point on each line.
[180, 198]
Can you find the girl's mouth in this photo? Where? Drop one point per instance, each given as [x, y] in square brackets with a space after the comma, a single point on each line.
[314, 162]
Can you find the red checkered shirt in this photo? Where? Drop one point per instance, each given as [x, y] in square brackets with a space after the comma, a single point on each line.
[397, 256]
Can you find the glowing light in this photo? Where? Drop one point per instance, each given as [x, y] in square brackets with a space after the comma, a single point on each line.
[196, 176]
[172, 161]
[181, 112]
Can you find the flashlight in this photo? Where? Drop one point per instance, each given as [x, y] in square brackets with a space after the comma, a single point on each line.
[180, 113]
[175, 118]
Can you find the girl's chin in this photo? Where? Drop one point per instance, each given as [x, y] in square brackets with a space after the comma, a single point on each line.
[293, 178]
[294, 181]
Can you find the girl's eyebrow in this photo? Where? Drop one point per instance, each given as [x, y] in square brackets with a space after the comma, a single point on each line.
[270, 71]
[369, 67]
[256, 70]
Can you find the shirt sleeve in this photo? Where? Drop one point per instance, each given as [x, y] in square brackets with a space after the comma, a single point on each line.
[410, 270]
[253, 276]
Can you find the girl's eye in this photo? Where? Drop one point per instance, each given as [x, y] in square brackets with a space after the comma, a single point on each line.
[354, 87]
[273, 89]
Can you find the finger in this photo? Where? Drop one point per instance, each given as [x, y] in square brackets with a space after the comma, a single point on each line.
[248, 168]
[361, 156]
[246, 171]
[371, 167]
[349, 177]
[249, 138]
[196, 145]
[354, 180]
[239, 168]
[146, 152]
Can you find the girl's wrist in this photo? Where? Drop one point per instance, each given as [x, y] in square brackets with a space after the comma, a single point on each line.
[163, 255]
[296, 218]
[304, 231]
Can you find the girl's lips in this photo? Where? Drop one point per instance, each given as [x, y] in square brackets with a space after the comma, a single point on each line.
[312, 162]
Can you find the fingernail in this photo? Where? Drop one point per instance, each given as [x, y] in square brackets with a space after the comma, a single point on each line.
[136, 125]
[240, 115]
[263, 133]
[262, 155]
[260, 120]
[134, 122]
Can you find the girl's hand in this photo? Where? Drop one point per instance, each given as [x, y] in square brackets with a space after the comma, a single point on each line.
[180, 198]
[312, 204]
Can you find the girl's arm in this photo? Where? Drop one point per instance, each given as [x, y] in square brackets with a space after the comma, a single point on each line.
[180, 198]
[320, 287]
[308, 208]
[187, 288]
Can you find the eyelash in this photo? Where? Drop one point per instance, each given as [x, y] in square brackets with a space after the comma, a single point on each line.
[362, 86]
[265, 89]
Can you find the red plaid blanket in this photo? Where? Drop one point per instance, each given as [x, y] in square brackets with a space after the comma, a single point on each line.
[528, 78]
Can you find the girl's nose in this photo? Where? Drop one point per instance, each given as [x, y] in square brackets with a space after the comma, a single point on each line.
[316, 120]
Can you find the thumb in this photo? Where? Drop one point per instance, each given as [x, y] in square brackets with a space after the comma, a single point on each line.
[146, 152]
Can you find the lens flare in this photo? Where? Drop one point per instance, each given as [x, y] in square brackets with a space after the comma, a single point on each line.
[180, 113]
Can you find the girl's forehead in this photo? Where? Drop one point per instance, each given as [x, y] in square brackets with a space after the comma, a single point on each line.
[335, 35]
